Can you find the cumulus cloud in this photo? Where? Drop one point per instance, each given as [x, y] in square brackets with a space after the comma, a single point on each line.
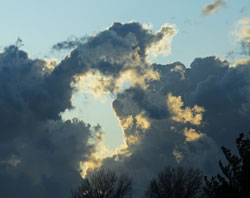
[192, 115]
[192, 111]
[192, 135]
[213, 7]
[41, 154]
[116, 54]
[170, 114]
[141, 121]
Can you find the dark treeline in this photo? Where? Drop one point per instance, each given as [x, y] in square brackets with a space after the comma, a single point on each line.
[178, 182]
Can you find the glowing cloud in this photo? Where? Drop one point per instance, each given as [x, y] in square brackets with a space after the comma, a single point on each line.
[243, 34]
[127, 122]
[192, 115]
[141, 121]
[163, 46]
[192, 135]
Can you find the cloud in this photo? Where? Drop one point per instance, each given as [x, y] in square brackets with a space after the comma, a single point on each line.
[213, 7]
[192, 135]
[242, 33]
[142, 122]
[42, 155]
[13, 161]
[167, 33]
[70, 43]
[192, 115]
[39, 152]
[116, 54]
[170, 114]
[192, 111]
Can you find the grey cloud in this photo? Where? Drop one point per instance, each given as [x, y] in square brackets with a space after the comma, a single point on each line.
[212, 7]
[112, 48]
[70, 43]
[112, 53]
[210, 83]
[49, 161]
[39, 152]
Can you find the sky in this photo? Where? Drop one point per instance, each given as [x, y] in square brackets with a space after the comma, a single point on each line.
[118, 84]
[41, 24]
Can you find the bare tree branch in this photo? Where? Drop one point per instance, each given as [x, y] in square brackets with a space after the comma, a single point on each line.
[104, 184]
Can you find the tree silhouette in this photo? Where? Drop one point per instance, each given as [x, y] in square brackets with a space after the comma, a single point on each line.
[176, 183]
[236, 179]
[104, 184]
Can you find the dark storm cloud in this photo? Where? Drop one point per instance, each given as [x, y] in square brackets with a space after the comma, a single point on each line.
[170, 114]
[119, 49]
[152, 101]
[212, 7]
[47, 165]
[114, 49]
[191, 113]
[39, 153]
